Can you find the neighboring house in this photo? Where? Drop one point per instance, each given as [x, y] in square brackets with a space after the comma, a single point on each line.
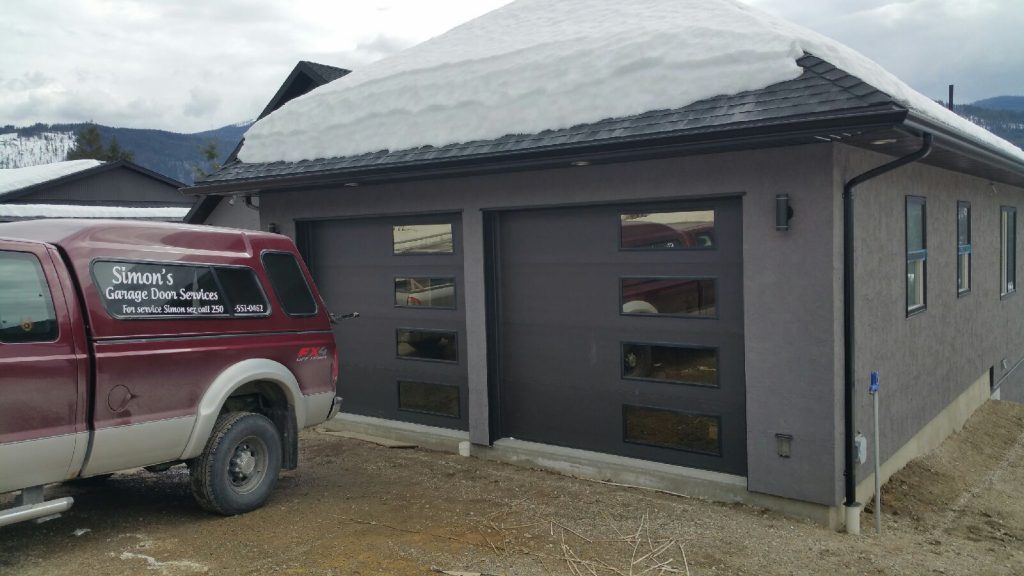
[235, 212]
[654, 298]
[90, 189]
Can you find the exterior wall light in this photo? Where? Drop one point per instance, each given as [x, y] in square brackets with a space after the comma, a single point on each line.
[784, 445]
[783, 212]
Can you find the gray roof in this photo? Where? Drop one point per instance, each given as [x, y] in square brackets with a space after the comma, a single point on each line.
[325, 72]
[823, 104]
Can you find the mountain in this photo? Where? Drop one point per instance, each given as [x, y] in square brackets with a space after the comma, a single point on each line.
[1012, 103]
[1008, 124]
[169, 153]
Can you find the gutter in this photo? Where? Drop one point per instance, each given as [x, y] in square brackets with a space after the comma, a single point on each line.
[849, 347]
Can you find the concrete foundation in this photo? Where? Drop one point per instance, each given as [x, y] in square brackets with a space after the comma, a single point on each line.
[690, 482]
[948, 422]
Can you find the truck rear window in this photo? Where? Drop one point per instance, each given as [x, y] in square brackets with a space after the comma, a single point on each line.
[289, 283]
[165, 290]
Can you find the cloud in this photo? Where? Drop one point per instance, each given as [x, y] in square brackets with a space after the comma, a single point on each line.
[201, 103]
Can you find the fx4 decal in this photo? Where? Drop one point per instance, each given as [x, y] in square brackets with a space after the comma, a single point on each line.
[311, 353]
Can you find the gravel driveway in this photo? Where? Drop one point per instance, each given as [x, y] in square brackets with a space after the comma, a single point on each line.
[355, 508]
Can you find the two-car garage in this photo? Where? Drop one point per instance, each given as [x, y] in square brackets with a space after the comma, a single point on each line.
[613, 328]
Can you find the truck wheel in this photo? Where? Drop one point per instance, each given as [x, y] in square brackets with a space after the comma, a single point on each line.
[239, 466]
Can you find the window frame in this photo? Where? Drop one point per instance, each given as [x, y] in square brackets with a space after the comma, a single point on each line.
[713, 247]
[717, 417]
[455, 333]
[451, 227]
[622, 363]
[458, 396]
[922, 252]
[960, 250]
[455, 292]
[622, 294]
[1007, 276]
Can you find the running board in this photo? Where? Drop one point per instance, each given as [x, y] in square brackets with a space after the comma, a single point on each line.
[30, 506]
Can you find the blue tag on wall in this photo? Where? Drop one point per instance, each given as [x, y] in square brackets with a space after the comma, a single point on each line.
[874, 383]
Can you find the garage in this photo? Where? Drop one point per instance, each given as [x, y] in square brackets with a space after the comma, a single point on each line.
[403, 358]
[621, 330]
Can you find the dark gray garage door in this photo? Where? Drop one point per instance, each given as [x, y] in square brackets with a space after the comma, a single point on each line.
[621, 331]
[404, 357]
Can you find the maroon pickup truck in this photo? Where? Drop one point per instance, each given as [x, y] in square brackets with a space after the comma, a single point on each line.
[128, 344]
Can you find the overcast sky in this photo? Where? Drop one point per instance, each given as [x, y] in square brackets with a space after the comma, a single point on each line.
[192, 65]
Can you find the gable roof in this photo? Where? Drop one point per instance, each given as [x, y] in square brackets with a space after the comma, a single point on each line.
[304, 77]
[88, 168]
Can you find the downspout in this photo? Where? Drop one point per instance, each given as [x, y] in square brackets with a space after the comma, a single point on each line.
[850, 472]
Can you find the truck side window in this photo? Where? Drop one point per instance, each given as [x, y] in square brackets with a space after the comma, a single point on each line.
[26, 307]
[289, 283]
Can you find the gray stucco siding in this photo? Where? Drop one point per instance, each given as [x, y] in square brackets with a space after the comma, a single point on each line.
[927, 360]
[788, 278]
[236, 215]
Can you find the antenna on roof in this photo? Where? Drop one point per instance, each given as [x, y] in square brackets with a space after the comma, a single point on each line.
[949, 103]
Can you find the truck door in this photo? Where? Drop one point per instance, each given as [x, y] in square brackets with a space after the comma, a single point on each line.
[42, 371]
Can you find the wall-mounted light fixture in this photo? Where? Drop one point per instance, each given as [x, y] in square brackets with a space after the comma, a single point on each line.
[783, 212]
[272, 227]
[784, 445]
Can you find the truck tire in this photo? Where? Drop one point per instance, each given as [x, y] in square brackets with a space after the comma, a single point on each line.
[239, 465]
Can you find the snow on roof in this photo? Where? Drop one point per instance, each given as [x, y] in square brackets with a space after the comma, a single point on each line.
[12, 179]
[537, 65]
[78, 211]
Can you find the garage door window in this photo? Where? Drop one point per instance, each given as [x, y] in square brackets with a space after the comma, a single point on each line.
[422, 239]
[437, 345]
[425, 292]
[671, 429]
[680, 230]
[427, 398]
[669, 296]
[666, 363]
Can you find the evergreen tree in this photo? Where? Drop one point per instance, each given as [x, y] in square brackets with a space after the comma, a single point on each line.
[209, 153]
[89, 145]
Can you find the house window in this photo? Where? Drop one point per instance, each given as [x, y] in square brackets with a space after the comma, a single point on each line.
[917, 254]
[1008, 253]
[963, 247]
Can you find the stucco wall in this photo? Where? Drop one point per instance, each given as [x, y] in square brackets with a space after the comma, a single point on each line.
[789, 280]
[927, 360]
[234, 216]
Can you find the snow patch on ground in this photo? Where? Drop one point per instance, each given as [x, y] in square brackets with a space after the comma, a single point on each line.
[17, 178]
[538, 65]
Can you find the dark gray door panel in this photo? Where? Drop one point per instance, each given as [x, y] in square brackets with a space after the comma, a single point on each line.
[355, 267]
[562, 330]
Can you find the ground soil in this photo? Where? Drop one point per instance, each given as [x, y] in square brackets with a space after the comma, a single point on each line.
[356, 508]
